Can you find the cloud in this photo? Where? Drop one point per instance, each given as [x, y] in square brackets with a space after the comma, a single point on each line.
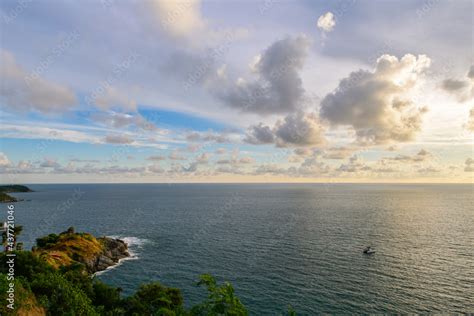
[355, 164]
[279, 88]
[84, 160]
[112, 98]
[174, 155]
[469, 165]
[73, 133]
[156, 158]
[422, 155]
[338, 152]
[377, 104]
[428, 170]
[259, 134]
[452, 85]
[209, 136]
[178, 18]
[183, 20]
[298, 129]
[310, 167]
[231, 169]
[304, 151]
[20, 91]
[39, 132]
[385, 170]
[121, 120]
[192, 69]
[270, 169]
[118, 139]
[199, 160]
[246, 160]
[24, 166]
[49, 163]
[203, 158]
[470, 122]
[326, 22]
[155, 169]
[470, 74]
[192, 148]
[220, 151]
[462, 89]
[236, 161]
[4, 160]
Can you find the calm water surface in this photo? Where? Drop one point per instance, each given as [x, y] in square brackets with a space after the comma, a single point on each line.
[280, 244]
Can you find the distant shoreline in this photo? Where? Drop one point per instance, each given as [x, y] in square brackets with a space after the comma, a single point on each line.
[12, 188]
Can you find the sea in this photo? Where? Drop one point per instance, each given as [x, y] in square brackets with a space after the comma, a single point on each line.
[279, 245]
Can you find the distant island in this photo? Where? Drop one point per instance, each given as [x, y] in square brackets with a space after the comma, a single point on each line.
[5, 189]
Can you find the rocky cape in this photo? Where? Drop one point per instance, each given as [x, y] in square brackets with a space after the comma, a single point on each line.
[71, 248]
[114, 251]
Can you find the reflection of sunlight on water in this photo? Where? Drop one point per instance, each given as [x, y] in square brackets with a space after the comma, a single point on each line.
[298, 244]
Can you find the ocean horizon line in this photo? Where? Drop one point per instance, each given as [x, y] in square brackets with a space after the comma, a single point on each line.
[255, 183]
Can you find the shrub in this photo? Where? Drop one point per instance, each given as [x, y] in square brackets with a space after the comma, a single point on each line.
[107, 298]
[47, 241]
[220, 301]
[61, 297]
[155, 299]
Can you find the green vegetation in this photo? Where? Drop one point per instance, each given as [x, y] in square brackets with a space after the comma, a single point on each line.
[220, 301]
[68, 248]
[4, 189]
[14, 188]
[6, 198]
[51, 280]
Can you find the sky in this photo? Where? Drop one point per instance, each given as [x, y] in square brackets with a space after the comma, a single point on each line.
[123, 91]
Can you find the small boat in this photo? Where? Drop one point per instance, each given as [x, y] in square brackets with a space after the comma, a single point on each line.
[369, 250]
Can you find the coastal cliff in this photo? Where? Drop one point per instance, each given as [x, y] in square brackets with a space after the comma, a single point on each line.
[114, 250]
[69, 248]
[56, 278]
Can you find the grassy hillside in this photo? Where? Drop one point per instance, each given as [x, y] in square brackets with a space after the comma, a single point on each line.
[67, 248]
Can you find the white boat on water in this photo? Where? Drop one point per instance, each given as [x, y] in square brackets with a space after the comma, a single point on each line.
[369, 250]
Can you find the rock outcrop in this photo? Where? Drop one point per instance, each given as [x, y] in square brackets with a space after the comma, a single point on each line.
[114, 250]
[69, 247]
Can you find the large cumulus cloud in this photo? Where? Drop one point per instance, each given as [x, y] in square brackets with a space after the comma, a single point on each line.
[377, 104]
[278, 87]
